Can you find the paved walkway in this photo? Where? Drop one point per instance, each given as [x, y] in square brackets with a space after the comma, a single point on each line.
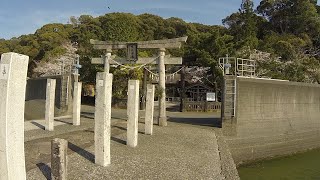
[186, 149]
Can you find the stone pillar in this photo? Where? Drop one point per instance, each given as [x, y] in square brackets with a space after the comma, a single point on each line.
[102, 118]
[76, 77]
[13, 74]
[144, 89]
[77, 103]
[59, 159]
[149, 110]
[183, 89]
[50, 98]
[132, 112]
[162, 86]
[64, 93]
[106, 61]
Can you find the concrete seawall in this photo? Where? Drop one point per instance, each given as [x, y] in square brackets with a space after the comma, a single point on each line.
[273, 118]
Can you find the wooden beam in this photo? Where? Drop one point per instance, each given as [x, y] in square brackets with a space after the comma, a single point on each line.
[168, 60]
[155, 44]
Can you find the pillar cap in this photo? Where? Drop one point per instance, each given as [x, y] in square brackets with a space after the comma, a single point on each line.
[108, 51]
[162, 49]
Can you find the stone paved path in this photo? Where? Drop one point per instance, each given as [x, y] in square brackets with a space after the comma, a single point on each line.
[186, 149]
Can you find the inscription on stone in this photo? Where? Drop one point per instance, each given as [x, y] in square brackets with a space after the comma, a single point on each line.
[100, 83]
[4, 71]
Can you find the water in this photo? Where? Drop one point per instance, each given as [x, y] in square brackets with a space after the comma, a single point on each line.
[299, 166]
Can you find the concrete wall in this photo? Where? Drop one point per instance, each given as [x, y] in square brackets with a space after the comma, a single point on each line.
[273, 118]
[36, 95]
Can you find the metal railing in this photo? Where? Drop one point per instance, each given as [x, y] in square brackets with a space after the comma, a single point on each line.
[226, 62]
[238, 66]
[200, 106]
[246, 67]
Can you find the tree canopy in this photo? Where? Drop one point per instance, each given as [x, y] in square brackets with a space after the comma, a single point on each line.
[287, 30]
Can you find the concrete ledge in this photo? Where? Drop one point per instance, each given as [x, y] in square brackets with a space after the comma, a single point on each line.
[228, 167]
[276, 81]
[273, 118]
[246, 150]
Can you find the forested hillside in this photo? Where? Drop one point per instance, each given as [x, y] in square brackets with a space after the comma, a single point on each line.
[283, 35]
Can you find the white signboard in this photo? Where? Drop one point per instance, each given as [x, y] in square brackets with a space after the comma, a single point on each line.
[211, 96]
[4, 71]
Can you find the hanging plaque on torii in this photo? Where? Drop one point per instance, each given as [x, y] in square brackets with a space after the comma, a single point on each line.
[132, 52]
[132, 58]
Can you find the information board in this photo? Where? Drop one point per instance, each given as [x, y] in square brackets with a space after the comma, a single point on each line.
[211, 96]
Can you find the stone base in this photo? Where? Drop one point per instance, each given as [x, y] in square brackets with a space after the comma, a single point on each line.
[163, 121]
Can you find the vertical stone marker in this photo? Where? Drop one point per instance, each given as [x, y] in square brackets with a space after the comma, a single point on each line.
[59, 159]
[50, 98]
[133, 113]
[162, 85]
[13, 74]
[102, 119]
[149, 109]
[77, 103]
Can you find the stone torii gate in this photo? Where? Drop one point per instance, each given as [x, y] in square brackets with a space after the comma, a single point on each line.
[162, 60]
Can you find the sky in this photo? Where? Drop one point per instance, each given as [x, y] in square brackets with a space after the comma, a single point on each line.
[18, 17]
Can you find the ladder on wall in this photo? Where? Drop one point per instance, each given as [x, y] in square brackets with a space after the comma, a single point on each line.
[232, 68]
[230, 96]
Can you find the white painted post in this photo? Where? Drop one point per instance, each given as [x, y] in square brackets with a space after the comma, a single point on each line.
[77, 103]
[102, 118]
[149, 109]
[162, 85]
[50, 98]
[132, 112]
[13, 74]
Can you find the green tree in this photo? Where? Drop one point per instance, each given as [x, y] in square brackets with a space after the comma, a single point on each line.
[120, 27]
[292, 16]
[243, 25]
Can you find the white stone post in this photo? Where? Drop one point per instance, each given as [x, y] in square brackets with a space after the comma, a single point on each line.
[59, 162]
[149, 109]
[133, 113]
[162, 85]
[13, 74]
[102, 118]
[107, 61]
[50, 99]
[77, 103]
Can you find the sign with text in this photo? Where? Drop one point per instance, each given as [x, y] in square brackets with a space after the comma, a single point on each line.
[211, 96]
[132, 51]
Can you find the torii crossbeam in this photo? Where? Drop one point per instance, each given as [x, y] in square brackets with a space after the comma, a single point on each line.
[162, 60]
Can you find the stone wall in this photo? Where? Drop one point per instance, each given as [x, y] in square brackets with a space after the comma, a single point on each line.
[273, 118]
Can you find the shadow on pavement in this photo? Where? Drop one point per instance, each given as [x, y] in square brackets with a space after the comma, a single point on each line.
[87, 115]
[82, 152]
[38, 125]
[125, 129]
[63, 121]
[211, 122]
[45, 169]
[119, 140]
